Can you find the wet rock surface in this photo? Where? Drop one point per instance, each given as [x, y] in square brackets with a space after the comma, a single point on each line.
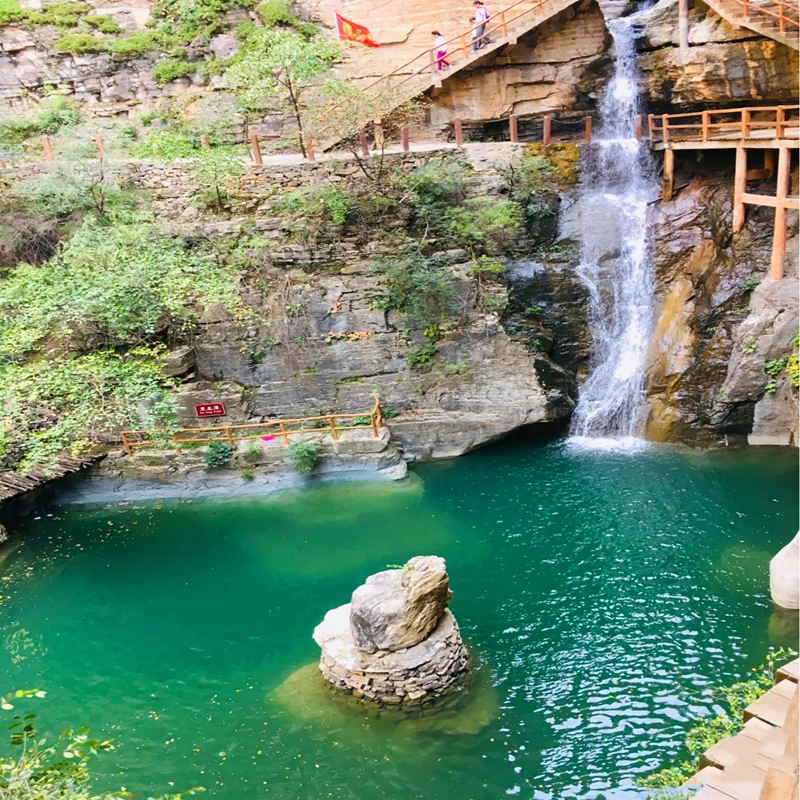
[391, 611]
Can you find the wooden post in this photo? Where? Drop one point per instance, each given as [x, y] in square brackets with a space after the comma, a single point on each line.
[683, 24]
[779, 235]
[503, 23]
[433, 63]
[769, 162]
[378, 127]
[256, 148]
[546, 130]
[334, 432]
[378, 409]
[310, 149]
[706, 117]
[229, 435]
[204, 143]
[664, 128]
[746, 10]
[98, 140]
[464, 48]
[285, 436]
[126, 444]
[780, 121]
[48, 149]
[587, 130]
[739, 186]
[745, 123]
[459, 132]
[781, 19]
[637, 128]
[512, 128]
[651, 126]
[404, 139]
[374, 424]
[669, 175]
[362, 140]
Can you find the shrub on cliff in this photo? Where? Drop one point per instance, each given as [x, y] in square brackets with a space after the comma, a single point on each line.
[303, 456]
[102, 23]
[79, 43]
[136, 44]
[170, 69]
[218, 455]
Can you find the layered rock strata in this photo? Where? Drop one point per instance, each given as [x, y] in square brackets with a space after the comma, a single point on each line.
[402, 612]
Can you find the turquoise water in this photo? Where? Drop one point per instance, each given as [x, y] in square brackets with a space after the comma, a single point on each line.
[602, 595]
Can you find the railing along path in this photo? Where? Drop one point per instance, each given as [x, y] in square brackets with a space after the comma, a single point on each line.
[255, 430]
[786, 14]
[757, 122]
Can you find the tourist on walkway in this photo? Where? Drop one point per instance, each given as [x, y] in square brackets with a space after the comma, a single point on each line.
[481, 18]
[440, 45]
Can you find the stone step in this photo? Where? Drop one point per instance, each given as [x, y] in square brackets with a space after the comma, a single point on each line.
[779, 786]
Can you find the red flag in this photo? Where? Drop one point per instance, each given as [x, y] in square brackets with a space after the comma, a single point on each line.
[351, 32]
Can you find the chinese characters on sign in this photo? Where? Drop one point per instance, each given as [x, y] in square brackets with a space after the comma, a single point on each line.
[210, 410]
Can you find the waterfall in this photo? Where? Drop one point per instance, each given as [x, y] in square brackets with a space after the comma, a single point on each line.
[617, 183]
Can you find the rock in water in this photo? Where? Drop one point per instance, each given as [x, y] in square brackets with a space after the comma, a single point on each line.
[784, 582]
[396, 644]
[398, 608]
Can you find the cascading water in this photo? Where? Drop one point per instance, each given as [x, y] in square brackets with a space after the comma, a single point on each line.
[617, 185]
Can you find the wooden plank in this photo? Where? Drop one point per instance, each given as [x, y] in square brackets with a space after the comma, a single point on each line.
[790, 671]
[773, 706]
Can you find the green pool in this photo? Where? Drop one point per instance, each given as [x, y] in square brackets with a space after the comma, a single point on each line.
[601, 593]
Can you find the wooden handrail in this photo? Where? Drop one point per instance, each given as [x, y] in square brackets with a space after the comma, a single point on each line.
[459, 42]
[375, 421]
[740, 121]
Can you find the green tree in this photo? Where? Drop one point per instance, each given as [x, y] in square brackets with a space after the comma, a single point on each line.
[277, 67]
[212, 170]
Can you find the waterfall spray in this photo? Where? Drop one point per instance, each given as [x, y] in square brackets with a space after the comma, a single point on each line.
[616, 186]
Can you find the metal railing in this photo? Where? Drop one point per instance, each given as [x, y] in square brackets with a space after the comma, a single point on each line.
[722, 124]
[283, 428]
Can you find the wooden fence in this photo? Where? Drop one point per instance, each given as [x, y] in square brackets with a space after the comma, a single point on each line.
[739, 123]
[283, 428]
[785, 13]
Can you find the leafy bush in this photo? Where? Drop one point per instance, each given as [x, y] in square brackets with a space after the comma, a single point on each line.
[276, 12]
[186, 21]
[303, 456]
[136, 44]
[78, 43]
[484, 224]
[419, 287]
[213, 169]
[165, 146]
[73, 186]
[527, 176]
[421, 356]
[68, 404]
[218, 455]
[102, 23]
[749, 285]
[11, 11]
[14, 130]
[112, 284]
[170, 69]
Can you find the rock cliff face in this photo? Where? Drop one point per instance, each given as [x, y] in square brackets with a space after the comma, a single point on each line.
[723, 66]
[719, 320]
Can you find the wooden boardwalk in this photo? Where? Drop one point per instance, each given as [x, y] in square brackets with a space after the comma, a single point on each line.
[766, 128]
[12, 484]
[777, 19]
[761, 761]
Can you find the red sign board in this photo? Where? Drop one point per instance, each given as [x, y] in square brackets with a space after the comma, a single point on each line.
[210, 410]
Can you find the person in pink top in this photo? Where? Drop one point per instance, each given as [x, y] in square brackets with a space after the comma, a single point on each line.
[481, 18]
[440, 44]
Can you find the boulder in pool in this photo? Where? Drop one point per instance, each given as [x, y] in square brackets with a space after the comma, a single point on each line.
[399, 608]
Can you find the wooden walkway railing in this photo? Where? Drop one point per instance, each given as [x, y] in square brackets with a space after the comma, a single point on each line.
[757, 122]
[786, 14]
[459, 51]
[283, 428]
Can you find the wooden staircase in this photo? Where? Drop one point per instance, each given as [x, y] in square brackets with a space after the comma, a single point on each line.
[778, 19]
[419, 75]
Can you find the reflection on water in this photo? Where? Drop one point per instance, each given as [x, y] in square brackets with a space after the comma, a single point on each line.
[604, 593]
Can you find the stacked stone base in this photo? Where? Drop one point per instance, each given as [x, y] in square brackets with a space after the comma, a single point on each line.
[411, 678]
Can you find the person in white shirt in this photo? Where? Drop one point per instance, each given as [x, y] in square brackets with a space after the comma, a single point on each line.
[481, 18]
[440, 45]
